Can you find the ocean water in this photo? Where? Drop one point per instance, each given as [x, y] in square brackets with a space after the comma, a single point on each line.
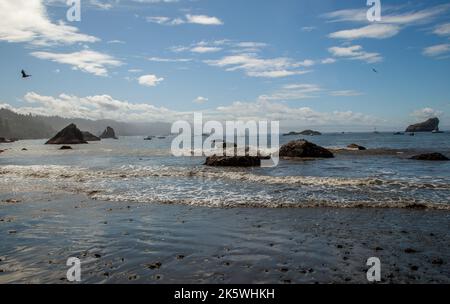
[133, 170]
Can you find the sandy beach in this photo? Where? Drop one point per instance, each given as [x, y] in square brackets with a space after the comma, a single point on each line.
[153, 243]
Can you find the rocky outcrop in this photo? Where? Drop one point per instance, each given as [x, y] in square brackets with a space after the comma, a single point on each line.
[4, 140]
[108, 133]
[90, 137]
[70, 135]
[428, 126]
[234, 161]
[65, 148]
[431, 157]
[304, 149]
[356, 147]
[306, 133]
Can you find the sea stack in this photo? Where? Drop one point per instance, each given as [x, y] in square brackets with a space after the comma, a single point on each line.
[108, 133]
[90, 137]
[70, 135]
[430, 125]
[304, 149]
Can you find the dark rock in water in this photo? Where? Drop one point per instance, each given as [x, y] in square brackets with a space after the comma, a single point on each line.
[357, 147]
[431, 156]
[24, 149]
[90, 137]
[70, 135]
[304, 149]
[428, 126]
[1, 151]
[108, 133]
[224, 145]
[399, 133]
[4, 140]
[149, 138]
[65, 148]
[306, 133]
[233, 161]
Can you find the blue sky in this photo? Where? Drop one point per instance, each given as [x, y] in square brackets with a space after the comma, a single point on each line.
[307, 63]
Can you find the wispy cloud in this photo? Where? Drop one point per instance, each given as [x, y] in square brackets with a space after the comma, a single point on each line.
[426, 113]
[187, 19]
[345, 93]
[200, 100]
[377, 31]
[294, 92]
[355, 52]
[392, 21]
[254, 66]
[161, 59]
[437, 50]
[87, 61]
[442, 29]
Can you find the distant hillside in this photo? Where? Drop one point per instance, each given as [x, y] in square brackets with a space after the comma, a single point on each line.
[13, 125]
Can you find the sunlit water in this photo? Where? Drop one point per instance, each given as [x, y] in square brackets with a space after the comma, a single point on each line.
[134, 170]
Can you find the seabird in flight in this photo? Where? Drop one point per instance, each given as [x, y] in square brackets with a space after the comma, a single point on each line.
[25, 75]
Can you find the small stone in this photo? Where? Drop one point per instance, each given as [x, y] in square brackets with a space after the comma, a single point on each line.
[410, 250]
[153, 266]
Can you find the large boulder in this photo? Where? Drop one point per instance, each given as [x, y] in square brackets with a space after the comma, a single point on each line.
[304, 149]
[431, 157]
[108, 133]
[70, 135]
[430, 125]
[90, 137]
[234, 161]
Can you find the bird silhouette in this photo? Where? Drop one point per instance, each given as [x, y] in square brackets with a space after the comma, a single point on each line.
[24, 74]
[375, 71]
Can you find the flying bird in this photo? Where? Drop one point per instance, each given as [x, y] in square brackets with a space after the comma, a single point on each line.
[25, 75]
[375, 71]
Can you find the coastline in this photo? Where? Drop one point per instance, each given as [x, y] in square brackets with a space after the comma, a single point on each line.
[120, 242]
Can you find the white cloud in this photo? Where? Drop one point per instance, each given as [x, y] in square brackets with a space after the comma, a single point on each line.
[205, 49]
[28, 21]
[442, 30]
[426, 113]
[259, 67]
[203, 20]
[87, 61]
[188, 19]
[149, 80]
[355, 52]
[345, 93]
[106, 107]
[201, 100]
[328, 61]
[101, 5]
[377, 31]
[294, 92]
[392, 21]
[308, 28]
[95, 107]
[160, 59]
[437, 50]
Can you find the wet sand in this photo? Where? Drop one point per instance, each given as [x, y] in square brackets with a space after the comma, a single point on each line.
[119, 242]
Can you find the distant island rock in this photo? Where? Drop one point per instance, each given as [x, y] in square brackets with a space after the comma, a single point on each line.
[90, 137]
[431, 157]
[304, 149]
[356, 147]
[108, 133]
[234, 161]
[306, 133]
[70, 135]
[430, 125]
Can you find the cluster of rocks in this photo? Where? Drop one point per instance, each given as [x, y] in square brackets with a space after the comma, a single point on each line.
[4, 140]
[71, 135]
